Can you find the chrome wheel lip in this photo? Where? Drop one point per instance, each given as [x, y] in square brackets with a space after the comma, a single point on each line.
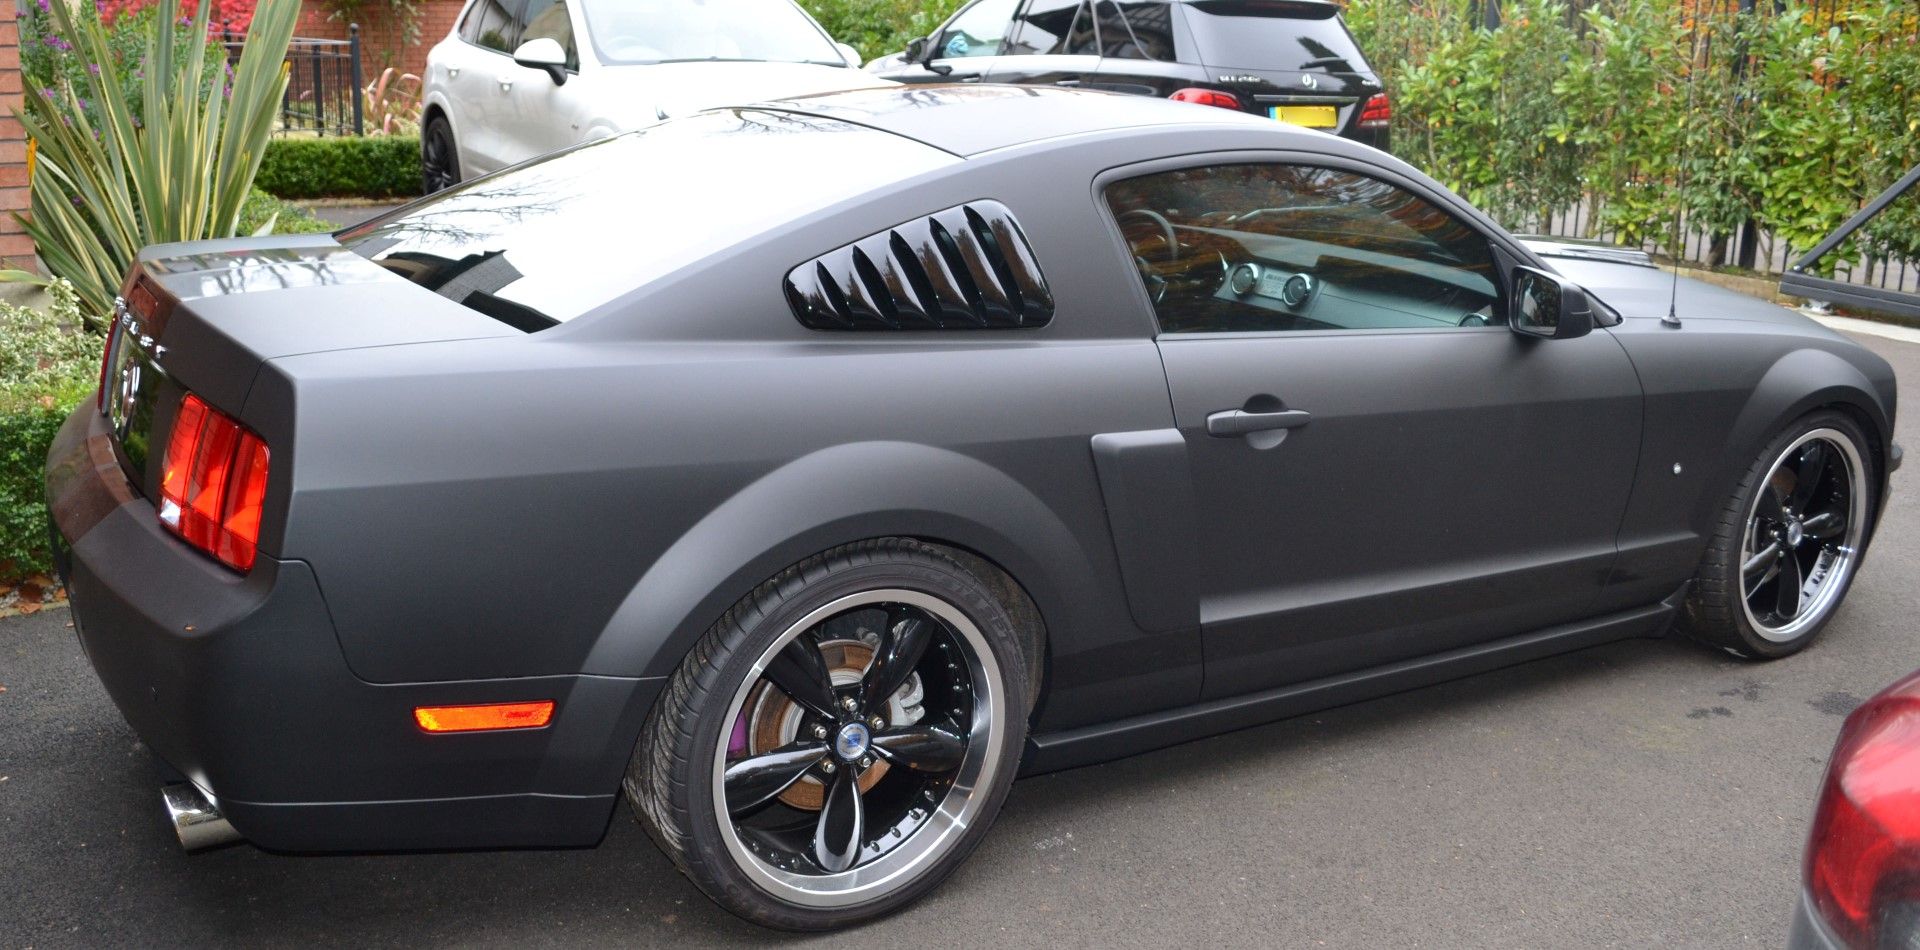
[956, 811]
[1813, 610]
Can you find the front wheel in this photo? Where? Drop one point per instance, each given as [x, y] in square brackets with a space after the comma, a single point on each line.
[841, 740]
[1789, 541]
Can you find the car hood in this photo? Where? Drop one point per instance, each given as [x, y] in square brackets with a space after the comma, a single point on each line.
[1644, 293]
[647, 93]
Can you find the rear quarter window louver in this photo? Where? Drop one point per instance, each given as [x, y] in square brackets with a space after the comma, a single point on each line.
[965, 268]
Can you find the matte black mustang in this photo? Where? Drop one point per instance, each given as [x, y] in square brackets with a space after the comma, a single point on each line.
[810, 469]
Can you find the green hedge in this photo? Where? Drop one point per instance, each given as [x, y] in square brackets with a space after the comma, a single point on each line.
[372, 166]
[1790, 120]
[47, 366]
[879, 27]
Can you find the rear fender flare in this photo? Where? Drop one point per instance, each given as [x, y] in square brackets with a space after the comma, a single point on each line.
[835, 496]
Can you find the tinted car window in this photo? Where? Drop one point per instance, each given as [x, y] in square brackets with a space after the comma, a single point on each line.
[1136, 30]
[470, 22]
[1261, 247]
[546, 242]
[1055, 27]
[1273, 34]
[979, 30]
[496, 27]
[670, 31]
[548, 18]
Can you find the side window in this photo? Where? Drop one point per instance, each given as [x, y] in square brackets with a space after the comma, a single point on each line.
[1135, 30]
[1262, 247]
[496, 29]
[976, 31]
[548, 18]
[1055, 27]
[470, 23]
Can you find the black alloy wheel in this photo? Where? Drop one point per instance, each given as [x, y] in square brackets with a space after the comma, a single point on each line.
[439, 160]
[841, 740]
[1789, 541]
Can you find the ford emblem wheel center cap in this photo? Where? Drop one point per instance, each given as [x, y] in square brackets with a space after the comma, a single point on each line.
[851, 741]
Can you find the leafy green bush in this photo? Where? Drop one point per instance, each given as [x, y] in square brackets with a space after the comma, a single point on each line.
[1642, 107]
[374, 166]
[47, 365]
[879, 27]
[264, 211]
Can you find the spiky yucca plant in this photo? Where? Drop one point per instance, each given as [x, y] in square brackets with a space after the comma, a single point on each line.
[102, 193]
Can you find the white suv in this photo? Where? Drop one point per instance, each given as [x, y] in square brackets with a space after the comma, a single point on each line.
[520, 78]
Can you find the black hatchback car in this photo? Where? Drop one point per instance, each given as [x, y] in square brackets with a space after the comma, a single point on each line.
[1291, 60]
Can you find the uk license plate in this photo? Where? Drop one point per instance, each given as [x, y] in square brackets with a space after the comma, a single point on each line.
[1313, 117]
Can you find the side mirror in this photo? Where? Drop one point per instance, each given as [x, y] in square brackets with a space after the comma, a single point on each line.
[848, 54]
[917, 51]
[1548, 307]
[544, 53]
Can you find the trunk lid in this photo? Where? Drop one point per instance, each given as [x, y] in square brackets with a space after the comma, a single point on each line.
[203, 316]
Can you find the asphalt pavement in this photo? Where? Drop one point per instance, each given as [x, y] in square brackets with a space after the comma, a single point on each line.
[1648, 793]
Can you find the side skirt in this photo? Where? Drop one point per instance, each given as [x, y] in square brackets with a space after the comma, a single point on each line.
[1105, 741]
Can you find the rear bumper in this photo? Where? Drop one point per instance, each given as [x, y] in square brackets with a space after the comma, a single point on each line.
[239, 684]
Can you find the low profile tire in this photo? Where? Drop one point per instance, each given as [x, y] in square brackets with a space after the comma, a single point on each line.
[439, 160]
[1788, 541]
[841, 739]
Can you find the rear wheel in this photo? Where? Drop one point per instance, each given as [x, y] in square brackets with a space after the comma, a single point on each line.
[840, 741]
[439, 160]
[1788, 542]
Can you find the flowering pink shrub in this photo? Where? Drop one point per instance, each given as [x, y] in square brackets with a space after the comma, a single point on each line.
[232, 15]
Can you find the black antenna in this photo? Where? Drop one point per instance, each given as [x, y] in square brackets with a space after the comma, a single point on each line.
[1672, 319]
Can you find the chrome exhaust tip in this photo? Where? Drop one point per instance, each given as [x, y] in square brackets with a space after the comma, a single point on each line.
[196, 819]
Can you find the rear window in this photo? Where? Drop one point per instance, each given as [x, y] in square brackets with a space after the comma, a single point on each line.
[543, 243]
[675, 31]
[1274, 34]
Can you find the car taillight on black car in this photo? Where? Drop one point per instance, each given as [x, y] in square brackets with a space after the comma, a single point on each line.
[213, 476]
[1377, 113]
[213, 483]
[1206, 97]
[1863, 859]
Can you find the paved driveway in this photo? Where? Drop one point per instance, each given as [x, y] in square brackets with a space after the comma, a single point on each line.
[1638, 794]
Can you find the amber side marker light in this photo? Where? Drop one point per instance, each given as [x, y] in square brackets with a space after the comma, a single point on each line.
[482, 718]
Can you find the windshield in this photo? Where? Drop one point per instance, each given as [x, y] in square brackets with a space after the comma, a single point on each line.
[1274, 34]
[546, 242]
[672, 31]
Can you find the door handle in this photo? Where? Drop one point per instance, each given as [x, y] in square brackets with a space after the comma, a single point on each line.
[1068, 83]
[1237, 422]
[506, 83]
[453, 72]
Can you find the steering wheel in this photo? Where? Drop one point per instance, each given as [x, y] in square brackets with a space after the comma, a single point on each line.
[1166, 230]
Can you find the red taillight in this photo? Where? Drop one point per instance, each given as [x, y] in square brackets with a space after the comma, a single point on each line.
[1207, 97]
[1377, 112]
[1864, 855]
[213, 484]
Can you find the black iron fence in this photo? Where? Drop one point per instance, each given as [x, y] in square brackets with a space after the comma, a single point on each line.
[324, 83]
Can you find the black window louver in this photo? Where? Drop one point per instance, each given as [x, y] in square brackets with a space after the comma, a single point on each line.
[966, 268]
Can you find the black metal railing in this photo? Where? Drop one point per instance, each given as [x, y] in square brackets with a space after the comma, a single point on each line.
[324, 83]
[1900, 295]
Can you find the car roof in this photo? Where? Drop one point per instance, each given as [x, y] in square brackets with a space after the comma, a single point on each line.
[971, 119]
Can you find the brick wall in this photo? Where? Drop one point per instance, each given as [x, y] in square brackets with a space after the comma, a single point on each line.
[16, 249]
[380, 45]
